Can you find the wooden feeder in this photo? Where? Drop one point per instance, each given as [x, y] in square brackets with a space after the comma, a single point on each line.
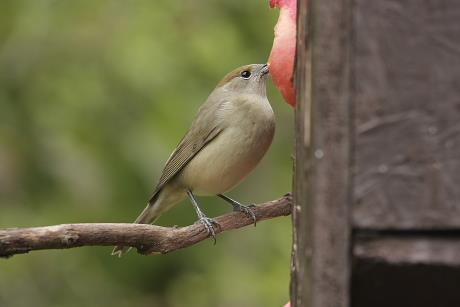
[377, 183]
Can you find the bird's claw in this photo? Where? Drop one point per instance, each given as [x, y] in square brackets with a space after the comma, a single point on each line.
[209, 225]
[246, 210]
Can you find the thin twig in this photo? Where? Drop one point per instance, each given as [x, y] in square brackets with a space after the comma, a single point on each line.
[148, 239]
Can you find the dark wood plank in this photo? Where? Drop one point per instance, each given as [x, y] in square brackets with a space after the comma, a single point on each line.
[382, 284]
[425, 249]
[322, 188]
[300, 268]
[406, 114]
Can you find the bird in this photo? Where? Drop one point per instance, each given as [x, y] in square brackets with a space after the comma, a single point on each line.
[229, 135]
[282, 54]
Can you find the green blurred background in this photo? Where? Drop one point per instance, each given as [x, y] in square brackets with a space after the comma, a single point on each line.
[94, 95]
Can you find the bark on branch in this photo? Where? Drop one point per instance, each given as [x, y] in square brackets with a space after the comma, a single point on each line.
[148, 239]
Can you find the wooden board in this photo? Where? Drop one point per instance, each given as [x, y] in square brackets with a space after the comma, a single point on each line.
[322, 187]
[301, 245]
[406, 70]
[440, 249]
[380, 284]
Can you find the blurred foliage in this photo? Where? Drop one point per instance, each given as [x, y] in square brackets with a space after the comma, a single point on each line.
[94, 95]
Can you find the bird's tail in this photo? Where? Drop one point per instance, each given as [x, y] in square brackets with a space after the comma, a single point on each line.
[148, 216]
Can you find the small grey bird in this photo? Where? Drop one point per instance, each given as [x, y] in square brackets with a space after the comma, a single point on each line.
[228, 137]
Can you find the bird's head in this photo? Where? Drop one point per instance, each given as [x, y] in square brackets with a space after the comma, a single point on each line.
[250, 79]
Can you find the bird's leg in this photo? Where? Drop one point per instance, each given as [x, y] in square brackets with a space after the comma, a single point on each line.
[239, 207]
[206, 221]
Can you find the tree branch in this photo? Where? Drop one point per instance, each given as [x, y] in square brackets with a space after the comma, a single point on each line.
[148, 239]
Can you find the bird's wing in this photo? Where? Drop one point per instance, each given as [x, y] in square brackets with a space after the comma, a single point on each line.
[186, 150]
[205, 128]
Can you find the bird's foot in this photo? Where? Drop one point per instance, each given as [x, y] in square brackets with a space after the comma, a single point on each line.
[246, 210]
[240, 208]
[209, 224]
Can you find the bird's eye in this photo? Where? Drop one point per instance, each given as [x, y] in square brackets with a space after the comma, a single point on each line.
[245, 74]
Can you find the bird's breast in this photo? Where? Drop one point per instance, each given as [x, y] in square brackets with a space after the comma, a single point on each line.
[234, 153]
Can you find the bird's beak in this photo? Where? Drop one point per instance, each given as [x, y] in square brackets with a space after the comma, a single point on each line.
[265, 70]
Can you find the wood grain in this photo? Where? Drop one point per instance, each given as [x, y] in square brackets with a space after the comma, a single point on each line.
[410, 249]
[301, 245]
[322, 186]
[406, 114]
